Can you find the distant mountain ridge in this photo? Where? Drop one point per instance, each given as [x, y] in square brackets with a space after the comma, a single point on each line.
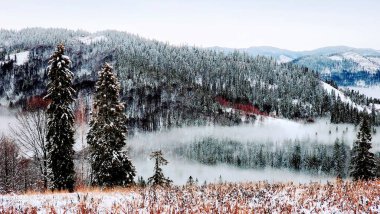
[345, 65]
[273, 51]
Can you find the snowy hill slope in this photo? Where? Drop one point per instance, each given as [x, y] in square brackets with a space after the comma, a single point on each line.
[343, 98]
[162, 85]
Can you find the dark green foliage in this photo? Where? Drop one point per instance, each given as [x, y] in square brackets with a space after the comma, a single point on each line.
[190, 181]
[60, 134]
[141, 182]
[307, 156]
[362, 161]
[158, 178]
[340, 159]
[110, 165]
[295, 161]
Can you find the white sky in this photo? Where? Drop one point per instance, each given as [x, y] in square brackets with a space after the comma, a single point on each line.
[290, 24]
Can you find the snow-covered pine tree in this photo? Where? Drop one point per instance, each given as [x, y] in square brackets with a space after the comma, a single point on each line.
[110, 165]
[60, 134]
[339, 159]
[158, 178]
[362, 161]
[190, 181]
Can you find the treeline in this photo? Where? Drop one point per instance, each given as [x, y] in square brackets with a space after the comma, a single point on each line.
[297, 155]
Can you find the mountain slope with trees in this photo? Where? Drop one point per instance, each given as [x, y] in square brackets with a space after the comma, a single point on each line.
[162, 86]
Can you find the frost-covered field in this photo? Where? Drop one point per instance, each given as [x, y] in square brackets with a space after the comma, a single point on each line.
[260, 197]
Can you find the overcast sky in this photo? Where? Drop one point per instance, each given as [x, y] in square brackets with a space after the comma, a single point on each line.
[290, 24]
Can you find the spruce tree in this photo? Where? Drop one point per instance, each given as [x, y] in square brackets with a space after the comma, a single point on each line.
[60, 134]
[362, 161]
[158, 178]
[106, 138]
[295, 159]
[339, 159]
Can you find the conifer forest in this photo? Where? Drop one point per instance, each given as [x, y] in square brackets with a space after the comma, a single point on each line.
[109, 119]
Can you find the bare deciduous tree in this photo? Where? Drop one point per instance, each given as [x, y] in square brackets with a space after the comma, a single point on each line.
[30, 134]
[9, 156]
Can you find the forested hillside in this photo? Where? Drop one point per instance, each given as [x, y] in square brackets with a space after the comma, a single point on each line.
[163, 85]
[347, 66]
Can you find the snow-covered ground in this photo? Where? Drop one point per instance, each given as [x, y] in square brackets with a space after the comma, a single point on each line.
[93, 202]
[260, 197]
[22, 57]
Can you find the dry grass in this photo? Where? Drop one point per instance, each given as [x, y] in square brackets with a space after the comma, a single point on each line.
[260, 197]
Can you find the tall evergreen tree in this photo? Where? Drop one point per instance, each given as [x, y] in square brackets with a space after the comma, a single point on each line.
[60, 134]
[110, 165]
[362, 161]
[295, 159]
[339, 159]
[158, 177]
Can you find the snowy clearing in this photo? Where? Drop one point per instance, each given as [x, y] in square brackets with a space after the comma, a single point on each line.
[91, 39]
[261, 197]
[22, 57]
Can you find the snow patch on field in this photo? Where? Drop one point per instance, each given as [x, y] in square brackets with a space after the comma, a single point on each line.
[69, 202]
[22, 57]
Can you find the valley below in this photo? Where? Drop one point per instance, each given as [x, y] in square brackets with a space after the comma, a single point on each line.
[225, 146]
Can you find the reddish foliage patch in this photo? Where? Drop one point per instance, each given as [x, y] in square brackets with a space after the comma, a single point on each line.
[37, 102]
[245, 108]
